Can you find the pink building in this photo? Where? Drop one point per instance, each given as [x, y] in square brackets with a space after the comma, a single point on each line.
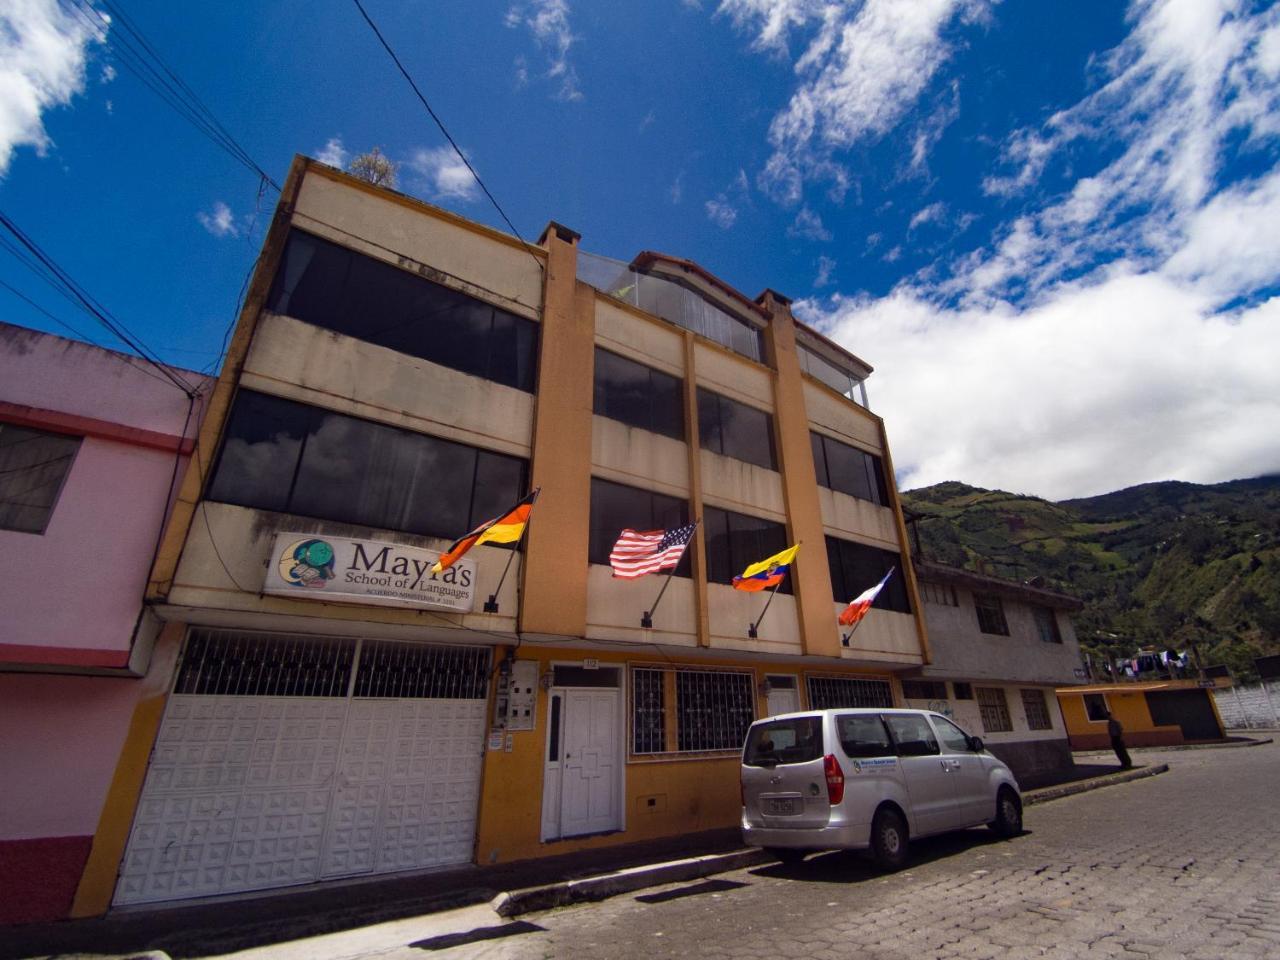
[92, 444]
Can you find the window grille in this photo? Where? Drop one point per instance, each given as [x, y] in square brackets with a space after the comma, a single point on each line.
[229, 662]
[391, 670]
[994, 710]
[828, 692]
[1037, 711]
[924, 690]
[648, 712]
[964, 691]
[713, 709]
[939, 593]
[990, 614]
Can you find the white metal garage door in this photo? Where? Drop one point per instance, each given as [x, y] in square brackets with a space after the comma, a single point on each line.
[286, 760]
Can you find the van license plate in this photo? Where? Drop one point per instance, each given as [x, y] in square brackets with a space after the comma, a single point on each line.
[781, 808]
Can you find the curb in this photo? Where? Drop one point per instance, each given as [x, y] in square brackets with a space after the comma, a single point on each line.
[513, 903]
[1044, 794]
[1102, 751]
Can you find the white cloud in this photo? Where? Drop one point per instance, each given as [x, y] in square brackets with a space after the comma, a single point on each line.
[808, 226]
[933, 213]
[722, 213]
[219, 221]
[826, 266]
[675, 193]
[444, 174]
[864, 67]
[333, 153]
[647, 121]
[43, 49]
[108, 74]
[548, 22]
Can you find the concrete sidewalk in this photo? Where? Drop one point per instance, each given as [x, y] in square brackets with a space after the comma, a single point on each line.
[229, 924]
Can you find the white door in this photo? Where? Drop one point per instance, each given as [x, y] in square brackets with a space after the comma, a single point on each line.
[783, 695]
[590, 788]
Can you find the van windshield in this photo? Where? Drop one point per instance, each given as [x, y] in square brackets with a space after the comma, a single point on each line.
[794, 740]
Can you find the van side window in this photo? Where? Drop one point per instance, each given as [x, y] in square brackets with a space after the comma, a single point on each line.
[955, 739]
[863, 735]
[913, 735]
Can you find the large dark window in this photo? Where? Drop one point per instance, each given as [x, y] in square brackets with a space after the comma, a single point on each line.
[638, 395]
[990, 612]
[735, 430]
[615, 507]
[848, 469]
[33, 466]
[735, 541]
[341, 290]
[293, 458]
[856, 566]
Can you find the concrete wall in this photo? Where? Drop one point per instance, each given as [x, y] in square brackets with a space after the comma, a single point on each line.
[1256, 705]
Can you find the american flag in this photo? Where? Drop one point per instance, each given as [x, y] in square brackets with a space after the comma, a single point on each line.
[638, 552]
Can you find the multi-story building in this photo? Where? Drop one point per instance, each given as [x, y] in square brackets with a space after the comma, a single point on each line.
[999, 649]
[400, 374]
[92, 443]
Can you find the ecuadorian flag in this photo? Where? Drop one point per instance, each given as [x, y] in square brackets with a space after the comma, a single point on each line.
[767, 573]
[505, 528]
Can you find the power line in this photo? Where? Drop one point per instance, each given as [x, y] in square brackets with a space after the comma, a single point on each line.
[65, 282]
[132, 48]
[440, 123]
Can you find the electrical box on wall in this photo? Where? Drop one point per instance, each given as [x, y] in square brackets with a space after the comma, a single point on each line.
[522, 696]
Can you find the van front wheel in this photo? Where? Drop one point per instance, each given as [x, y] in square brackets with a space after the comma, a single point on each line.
[1008, 821]
[889, 840]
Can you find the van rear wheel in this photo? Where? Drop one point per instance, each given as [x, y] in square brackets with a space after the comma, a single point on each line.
[786, 854]
[889, 840]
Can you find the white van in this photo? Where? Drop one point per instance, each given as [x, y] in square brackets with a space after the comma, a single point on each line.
[860, 779]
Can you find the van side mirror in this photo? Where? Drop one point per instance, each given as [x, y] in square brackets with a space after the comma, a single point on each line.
[975, 744]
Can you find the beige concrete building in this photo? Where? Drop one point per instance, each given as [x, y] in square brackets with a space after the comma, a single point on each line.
[400, 374]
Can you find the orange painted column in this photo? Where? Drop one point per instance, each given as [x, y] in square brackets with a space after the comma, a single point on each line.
[693, 444]
[811, 576]
[554, 598]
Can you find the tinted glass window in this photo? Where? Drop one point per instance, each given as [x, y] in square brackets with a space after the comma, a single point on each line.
[735, 430]
[856, 566]
[863, 735]
[616, 507]
[33, 466]
[734, 541]
[912, 734]
[955, 739]
[638, 395]
[336, 288]
[795, 740]
[292, 458]
[848, 469]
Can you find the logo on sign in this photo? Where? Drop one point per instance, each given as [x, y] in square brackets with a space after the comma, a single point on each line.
[307, 563]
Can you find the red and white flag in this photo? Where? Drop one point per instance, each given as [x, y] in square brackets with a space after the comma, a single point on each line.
[638, 552]
[859, 605]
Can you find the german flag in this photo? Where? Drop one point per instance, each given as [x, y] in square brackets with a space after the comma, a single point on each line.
[507, 527]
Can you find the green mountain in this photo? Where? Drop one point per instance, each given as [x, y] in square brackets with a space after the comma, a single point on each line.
[1162, 564]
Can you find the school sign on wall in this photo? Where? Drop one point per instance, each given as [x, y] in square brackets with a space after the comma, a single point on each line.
[310, 567]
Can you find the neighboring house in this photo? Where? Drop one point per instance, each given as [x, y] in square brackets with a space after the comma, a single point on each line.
[91, 445]
[999, 650]
[1153, 713]
[400, 374]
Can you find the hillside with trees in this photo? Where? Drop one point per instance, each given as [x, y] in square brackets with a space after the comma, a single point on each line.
[1167, 564]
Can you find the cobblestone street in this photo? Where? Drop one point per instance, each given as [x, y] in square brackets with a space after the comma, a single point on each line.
[1181, 865]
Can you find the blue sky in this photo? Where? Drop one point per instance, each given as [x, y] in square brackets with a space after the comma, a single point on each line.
[1050, 227]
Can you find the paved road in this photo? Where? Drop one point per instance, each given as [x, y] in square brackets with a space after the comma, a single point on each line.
[1183, 865]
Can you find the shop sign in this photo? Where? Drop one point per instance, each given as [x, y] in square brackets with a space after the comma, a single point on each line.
[311, 567]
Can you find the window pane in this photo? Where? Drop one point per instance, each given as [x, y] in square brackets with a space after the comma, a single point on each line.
[863, 735]
[990, 614]
[856, 566]
[648, 712]
[33, 466]
[993, 710]
[1047, 625]
[1036, 710]
[622, 390]
[752, 539]
[667, 398]
[912, 734]
[261, 450]
[709, 421]
[1095, 706]
[795, 740]
[952, 736]
[339, 289]
[847, 469]
[616, 507]
[747, 433]
[500, 484]
[819, 458]
[713, 710]
[715, 526]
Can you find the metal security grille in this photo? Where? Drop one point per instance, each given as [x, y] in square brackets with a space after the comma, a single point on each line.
[828, 692]
[1037, 711]
[648, 712]
[404, 670]
[230, 662]
[994, 710]
[713, 709]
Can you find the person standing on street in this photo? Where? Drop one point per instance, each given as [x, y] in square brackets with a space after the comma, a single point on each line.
[1116, 732]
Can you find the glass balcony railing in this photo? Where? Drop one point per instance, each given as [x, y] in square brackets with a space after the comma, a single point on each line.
[671, 302]
[834, 377]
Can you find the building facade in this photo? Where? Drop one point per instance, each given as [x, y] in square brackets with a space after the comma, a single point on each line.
[399, 375]
[92, 443]
[999, 650]
[1153, 713]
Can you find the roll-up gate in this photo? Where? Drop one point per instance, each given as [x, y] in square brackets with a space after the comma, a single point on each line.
[290, 759]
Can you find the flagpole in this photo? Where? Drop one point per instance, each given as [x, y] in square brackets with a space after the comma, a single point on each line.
[751, 629]
[646, 619]
[491, 605]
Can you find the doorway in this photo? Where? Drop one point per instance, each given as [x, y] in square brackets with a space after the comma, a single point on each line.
[582, 780]
[784, 696]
